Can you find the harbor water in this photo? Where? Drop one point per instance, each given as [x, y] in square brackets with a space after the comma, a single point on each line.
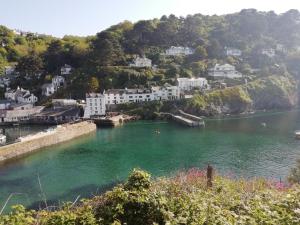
[260, 145]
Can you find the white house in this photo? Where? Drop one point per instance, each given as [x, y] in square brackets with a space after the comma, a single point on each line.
[20, 95]
[66, 69]
[166, 92]
[224, 71]
[95, 105]
[27, 98]
[58, 82]
[48, 89]
[270, 52]
[188, 84]
[233, 52]
[179, 51]
[141, 62]
[120, 96]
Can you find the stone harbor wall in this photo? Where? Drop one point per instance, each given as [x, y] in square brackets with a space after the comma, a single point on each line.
[40, 140]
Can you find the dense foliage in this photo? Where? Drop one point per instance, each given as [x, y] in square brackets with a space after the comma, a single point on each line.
[183, 199]
[271, 92]
[106, 56]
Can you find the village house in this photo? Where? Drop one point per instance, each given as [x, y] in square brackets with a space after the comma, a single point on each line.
[66, 69]
[20, 95]
[281, 48]
[18, 112]
[120, 96]
[224, 71]
[233, 52]
[270, 52]
[166, 92]
[141, 62]
[5, 81]
[95, 105]
[58, 82]
[48, 89]
[188, 84]
[174, 51]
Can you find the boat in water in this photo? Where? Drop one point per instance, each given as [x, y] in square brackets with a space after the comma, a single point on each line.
[297, 134]
[2, 139]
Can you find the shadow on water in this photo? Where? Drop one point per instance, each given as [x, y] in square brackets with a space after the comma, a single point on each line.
[85, 191]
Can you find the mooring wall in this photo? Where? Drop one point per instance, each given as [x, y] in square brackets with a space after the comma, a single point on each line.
[61, 134]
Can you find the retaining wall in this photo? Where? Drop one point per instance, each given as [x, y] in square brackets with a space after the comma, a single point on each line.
[61, 134]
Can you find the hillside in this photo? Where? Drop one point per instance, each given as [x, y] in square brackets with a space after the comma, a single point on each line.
[182, 199]
[273, 92]
[106, 56]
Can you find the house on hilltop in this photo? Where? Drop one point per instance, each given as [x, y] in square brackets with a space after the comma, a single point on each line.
[174, 51]
[188, 84]
[141, 62]
[224, 71]
[233, 52]
[66, 69]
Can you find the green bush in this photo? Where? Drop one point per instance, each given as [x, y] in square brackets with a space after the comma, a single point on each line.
[182, 199]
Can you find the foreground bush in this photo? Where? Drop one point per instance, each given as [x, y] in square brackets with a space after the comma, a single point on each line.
[183, 199]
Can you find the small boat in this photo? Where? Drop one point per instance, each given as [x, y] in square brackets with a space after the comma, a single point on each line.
[2, 139]
[157, 131]
[263, 124]
[297, 134]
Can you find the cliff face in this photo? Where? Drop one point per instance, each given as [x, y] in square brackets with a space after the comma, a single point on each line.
[273, 92]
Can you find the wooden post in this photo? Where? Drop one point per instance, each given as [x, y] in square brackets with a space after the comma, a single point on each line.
[209, 175]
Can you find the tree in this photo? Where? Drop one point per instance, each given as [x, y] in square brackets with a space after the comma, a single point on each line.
[106, 49]
[199, 68]
[54, 56]
[93, 84]
[31, 65]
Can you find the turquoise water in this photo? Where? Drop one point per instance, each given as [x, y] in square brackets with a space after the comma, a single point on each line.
[89, 165]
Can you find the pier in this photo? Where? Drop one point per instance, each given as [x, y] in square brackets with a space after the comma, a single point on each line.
[53, 136]
[186, 119]
[113, 121]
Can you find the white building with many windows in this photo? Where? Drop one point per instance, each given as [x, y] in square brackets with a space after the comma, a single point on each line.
[141, 62]
[188, 84]
[95, 105]
[224, 71]
[173, 51]
[120, 96]
[270, 52]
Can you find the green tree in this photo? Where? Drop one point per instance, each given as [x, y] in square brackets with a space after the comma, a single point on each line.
[30, 65]
[54, 56]
[106, 49]
[93, 84]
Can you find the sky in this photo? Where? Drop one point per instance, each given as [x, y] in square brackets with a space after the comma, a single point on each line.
[87, 17]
